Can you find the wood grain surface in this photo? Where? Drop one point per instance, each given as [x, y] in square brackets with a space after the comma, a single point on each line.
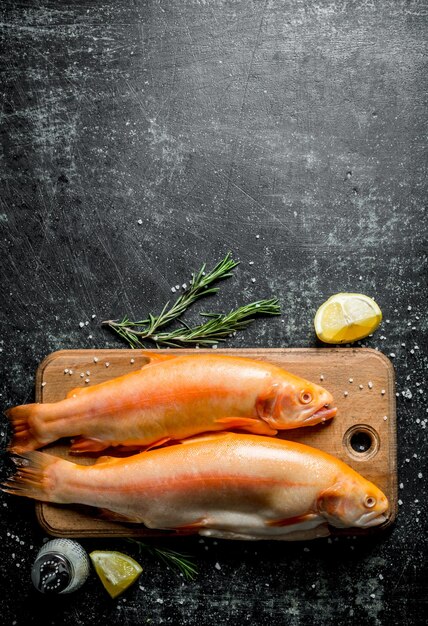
[362, 382]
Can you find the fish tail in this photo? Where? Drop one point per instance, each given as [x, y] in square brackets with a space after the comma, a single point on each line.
[24, 437]
[32, 478]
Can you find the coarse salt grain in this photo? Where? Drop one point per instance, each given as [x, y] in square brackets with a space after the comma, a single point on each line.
[401, 485]
[214, 346]
[132, 361]
[251, 263]
[173, 289]
[257, 236]
[217, 566]
[81, 324]
[392, 354]
[385, 417]
[351, 380]
[86, 380]
[107, 364]
[372, 595]
[70, 372]
[345, 393]
[139, 222]
[253, 280]
[383, 392]
[96, 359]
[420, 475]
[400, 502]
[184, 285]
[82, 375]
[93, 316]
[360, 386]
[66, 371]
[321, 377]
[88, 373]
[43, 384]
[370, 384]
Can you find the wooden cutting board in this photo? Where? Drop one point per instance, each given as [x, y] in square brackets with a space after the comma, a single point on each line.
[363, 434]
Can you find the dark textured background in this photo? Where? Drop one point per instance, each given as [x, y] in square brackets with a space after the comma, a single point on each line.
[214, 122]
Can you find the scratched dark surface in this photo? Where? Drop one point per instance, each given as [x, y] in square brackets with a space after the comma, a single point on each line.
[140, 139]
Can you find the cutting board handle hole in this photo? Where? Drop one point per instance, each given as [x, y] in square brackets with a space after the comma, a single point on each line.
[361, 442]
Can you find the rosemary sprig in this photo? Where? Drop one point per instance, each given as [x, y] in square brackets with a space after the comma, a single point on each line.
[135, 332]
[175, 560]
[218, 328]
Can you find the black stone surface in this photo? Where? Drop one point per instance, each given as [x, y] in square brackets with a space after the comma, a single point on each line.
[292, 134]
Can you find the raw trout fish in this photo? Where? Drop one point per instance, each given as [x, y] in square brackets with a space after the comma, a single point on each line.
[171, 398]
[226, 485]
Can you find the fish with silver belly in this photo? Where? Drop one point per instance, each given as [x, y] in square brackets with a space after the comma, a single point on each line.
[225, 485]
[171, 398]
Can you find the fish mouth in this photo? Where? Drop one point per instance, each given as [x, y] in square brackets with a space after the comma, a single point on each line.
[326, 412]
[367, 520]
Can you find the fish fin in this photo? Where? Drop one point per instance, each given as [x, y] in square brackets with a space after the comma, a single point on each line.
[266, 401]
[105, 459]
[112, 516]
[249, 424]
[82, 445]
[23, 437]
[290, 521]
[30, 479]
[322, 530]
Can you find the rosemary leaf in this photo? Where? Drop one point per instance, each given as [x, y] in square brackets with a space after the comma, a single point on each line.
[175, 560]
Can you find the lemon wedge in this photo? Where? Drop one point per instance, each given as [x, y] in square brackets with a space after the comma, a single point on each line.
[116, 571]
[347, 317]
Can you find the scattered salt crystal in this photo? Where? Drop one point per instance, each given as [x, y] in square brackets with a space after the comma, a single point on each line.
[407, 460]
[372, 595]
[70, 372]
[313, 586]
[93, 316]
[184, 285]
[370, 384]
[387, 321]
[257, 236]
[360, 278]
[416, 347]
[345, 393]
[321, 377]
[412, 351]
[88, 373]
[82, 375]
[409, 308]
[66, 371]
[217, 566]
[107, 364]
[132, 361]
[420, 390]
[392, 354]
[139, 222]
[86, 380]
[420, 475]
[416, 501]
[383, 392]
[253, 280]
[401, 485]
[86, 323]
[89, 336]
[159, 600]
[173, 289]
[407, 394]
[214, 346]
[43, 384]
[413, 327]
[251, 263]
[415, 456]
[403, 345]
[380, 577]
[361, 386]
[96, 359]
[81, 324]
[400, 502]
[351, 380]
[385, 417]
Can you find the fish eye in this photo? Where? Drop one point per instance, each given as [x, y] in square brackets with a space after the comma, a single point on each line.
[306, 397]
[370, 502]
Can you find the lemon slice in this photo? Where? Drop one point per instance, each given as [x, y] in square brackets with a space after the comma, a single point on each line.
[116, 571]
[347, 317]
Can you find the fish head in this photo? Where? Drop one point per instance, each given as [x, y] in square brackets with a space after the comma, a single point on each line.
[296, 402]
[354, 502]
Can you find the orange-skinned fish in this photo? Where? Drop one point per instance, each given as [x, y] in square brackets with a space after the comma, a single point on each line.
[226, 485]
[171, 398]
